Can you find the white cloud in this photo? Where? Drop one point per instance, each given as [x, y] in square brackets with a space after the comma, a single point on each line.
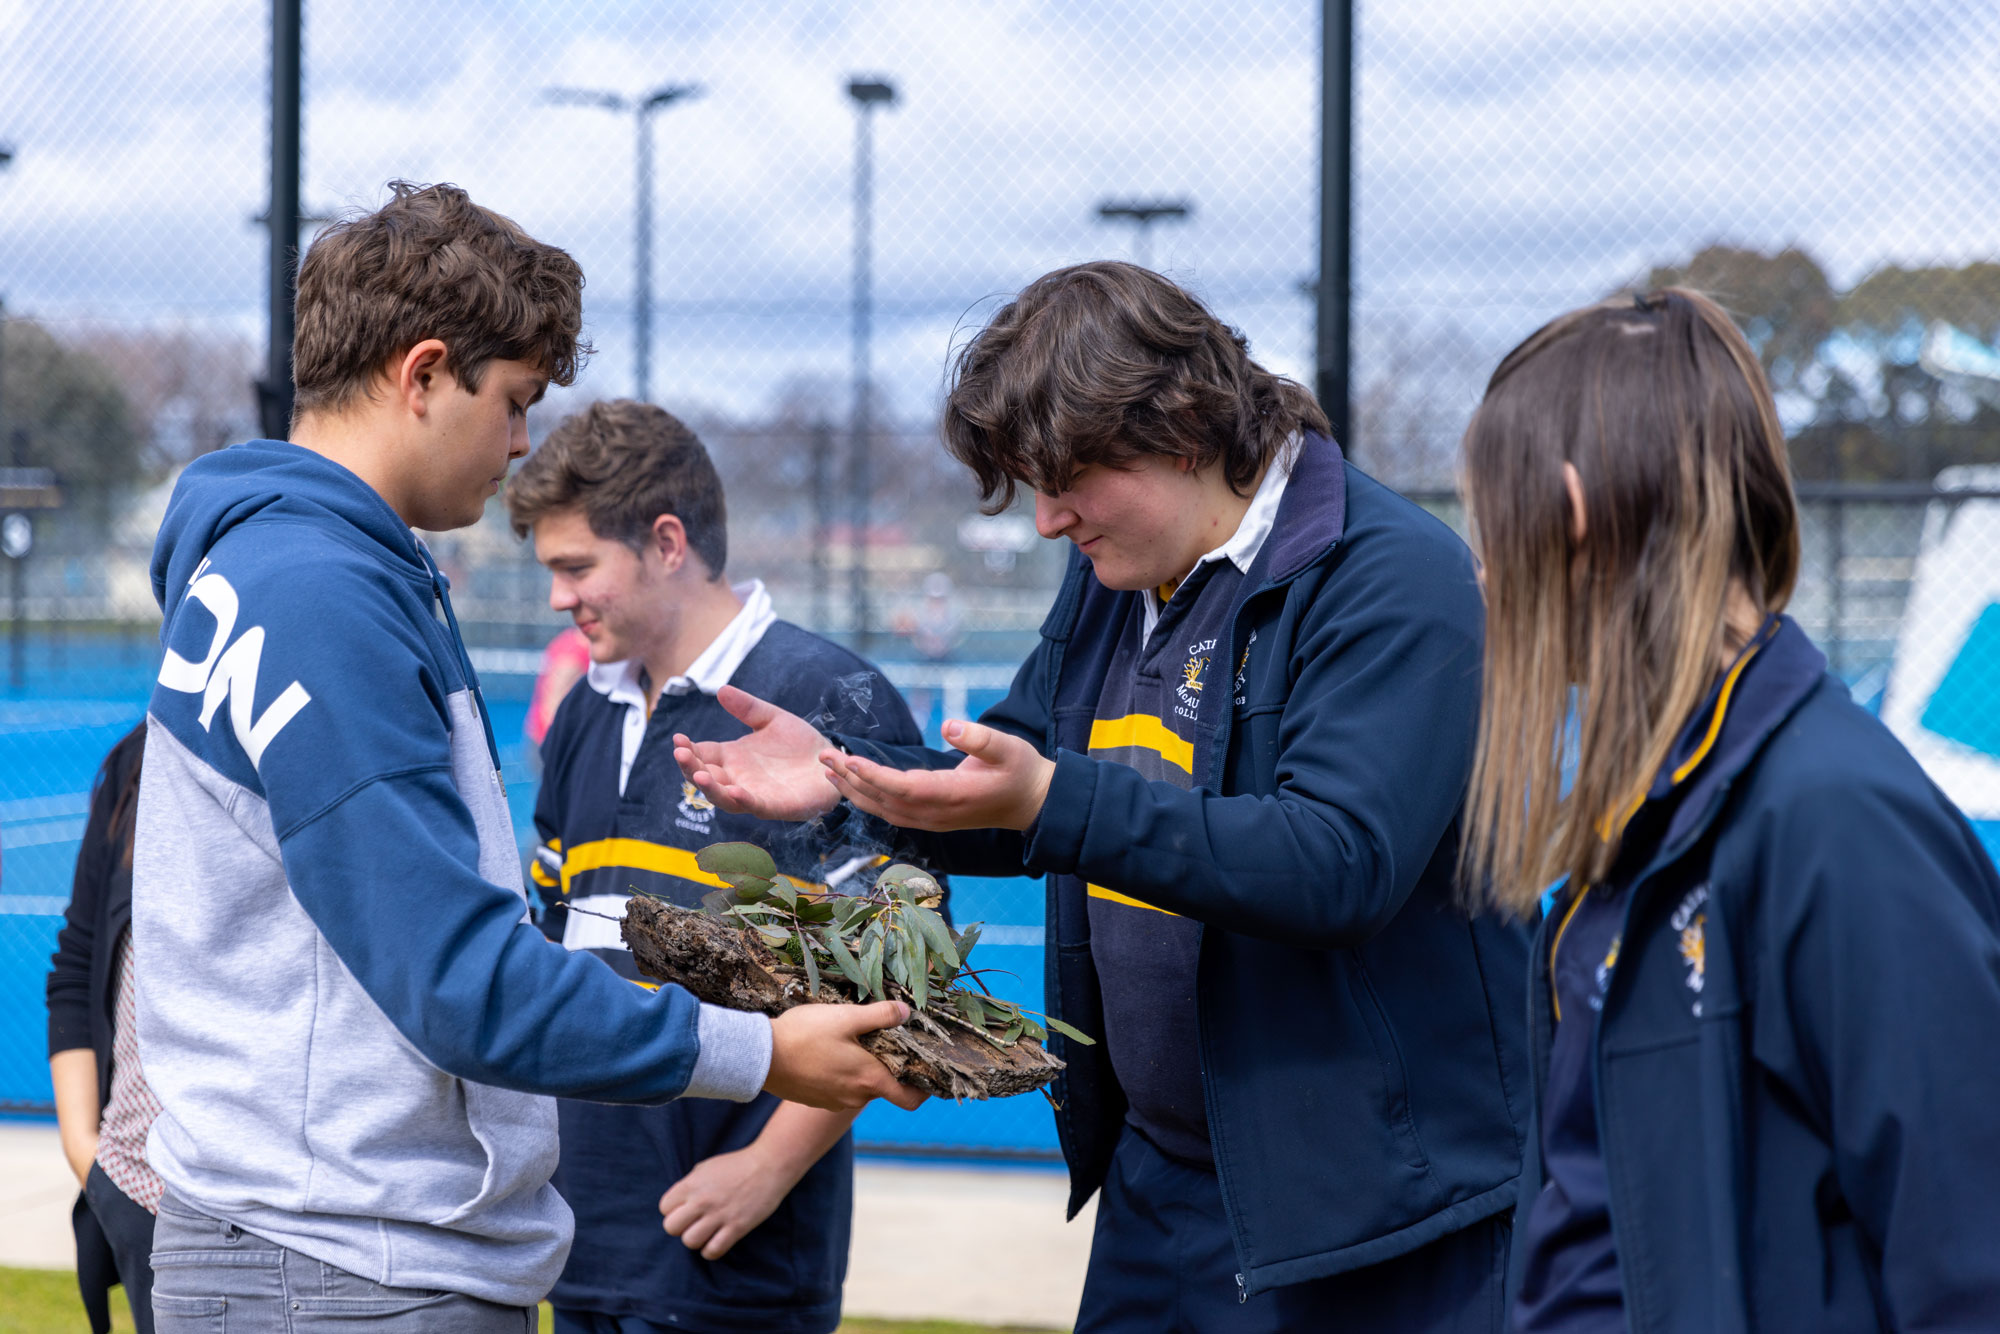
[1515, 156]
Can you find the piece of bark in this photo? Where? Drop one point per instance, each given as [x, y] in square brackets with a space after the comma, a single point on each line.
[726, 965]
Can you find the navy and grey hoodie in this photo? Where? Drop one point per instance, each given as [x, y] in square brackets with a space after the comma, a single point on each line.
[353, 1029]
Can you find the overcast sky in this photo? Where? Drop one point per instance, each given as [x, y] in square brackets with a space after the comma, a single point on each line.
[1514, 158]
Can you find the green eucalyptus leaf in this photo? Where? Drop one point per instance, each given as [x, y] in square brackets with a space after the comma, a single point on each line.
[850, 968]
[897, 955]
[871, 965]
[966, 940]
[970, 1007]
[774, 936]
[816, 911]
[1033, 1029]
[785, 892]
[812, 970]
[736, 859]
[717, 902]
[1072, 1034]
[936, 935]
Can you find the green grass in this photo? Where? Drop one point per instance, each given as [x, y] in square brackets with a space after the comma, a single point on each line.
[44, 1301]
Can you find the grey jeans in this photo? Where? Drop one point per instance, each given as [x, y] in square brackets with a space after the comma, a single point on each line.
[210, 1276]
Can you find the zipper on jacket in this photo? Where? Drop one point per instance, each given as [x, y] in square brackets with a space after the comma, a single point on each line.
[1242, 1292]
[443, 598]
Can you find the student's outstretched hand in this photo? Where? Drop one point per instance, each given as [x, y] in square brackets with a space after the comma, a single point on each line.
[773, 773]
[816, 1060]
[1000, 784]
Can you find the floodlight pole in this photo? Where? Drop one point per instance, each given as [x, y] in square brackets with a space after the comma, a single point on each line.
[642, 109]
[1333, 295]
[1143, 214]
[867, 95]
[274, 391]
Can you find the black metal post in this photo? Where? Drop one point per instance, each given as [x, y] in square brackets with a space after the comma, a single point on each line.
[642, 262]
[1836, 631]
[867, 95]
[1333, 357]
[274, 391]
[17, 638]
[17, 577]
[822, 494]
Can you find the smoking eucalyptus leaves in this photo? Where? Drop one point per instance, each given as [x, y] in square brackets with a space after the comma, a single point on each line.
[890, 943]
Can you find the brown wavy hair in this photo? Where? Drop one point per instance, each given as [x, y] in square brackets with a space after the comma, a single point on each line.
[430, 263]
[624, 464]
[1662, 407]
[1104, 363]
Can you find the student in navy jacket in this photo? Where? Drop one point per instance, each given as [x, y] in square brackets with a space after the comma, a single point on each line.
[1765, 1006]
[1238, 754]
[700, 1215]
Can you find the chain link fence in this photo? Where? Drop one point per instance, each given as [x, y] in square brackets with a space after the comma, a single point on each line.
[829, 198]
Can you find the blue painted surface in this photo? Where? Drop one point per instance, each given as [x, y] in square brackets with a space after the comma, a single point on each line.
[55, 733]
[1965, 707]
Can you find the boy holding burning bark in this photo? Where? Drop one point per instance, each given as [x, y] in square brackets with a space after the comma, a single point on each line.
[627, 513]
[1239, 754]
[352, 1029]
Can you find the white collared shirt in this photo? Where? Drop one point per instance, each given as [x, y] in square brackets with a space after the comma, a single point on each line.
[709, 672]
[1243, 545]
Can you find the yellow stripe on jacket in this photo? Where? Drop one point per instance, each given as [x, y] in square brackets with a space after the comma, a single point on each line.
[1142, 731]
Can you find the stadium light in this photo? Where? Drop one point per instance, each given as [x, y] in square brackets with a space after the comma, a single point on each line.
[642, 108]
[1143, 214]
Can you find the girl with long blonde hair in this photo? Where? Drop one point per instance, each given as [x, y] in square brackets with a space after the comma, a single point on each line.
[1765, 999]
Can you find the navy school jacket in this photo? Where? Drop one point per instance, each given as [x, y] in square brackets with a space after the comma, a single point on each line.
[1363, 1058]
[1796, 1103]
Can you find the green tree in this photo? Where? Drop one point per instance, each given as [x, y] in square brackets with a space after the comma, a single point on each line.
[63, 408]
[1848, 361]
[1784, 302]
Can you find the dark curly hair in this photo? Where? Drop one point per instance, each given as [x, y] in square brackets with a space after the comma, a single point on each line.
[430, 263]
[1106, 362]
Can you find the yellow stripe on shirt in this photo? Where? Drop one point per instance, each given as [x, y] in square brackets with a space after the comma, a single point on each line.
[1142, 731]
[637, 854]
[1113, 896]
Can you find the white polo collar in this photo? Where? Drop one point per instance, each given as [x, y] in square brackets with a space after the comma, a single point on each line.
[1243, 545]
[711, 669]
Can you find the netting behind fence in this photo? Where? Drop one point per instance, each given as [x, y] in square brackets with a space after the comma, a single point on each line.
[786, 256]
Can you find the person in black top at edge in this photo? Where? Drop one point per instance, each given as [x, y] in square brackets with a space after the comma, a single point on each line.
[1765, 1005]
[104, 1107]
[626, 511]
[1239, 753]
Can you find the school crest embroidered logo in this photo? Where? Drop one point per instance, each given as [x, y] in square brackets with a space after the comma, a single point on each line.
[697, 812]
[1194, 675]
[1691, 925]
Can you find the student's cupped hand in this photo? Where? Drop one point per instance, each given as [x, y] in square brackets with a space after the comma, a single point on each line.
[773, 772]
[1000, 784]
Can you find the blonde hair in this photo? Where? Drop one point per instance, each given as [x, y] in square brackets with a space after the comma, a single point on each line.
[1662, 408]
